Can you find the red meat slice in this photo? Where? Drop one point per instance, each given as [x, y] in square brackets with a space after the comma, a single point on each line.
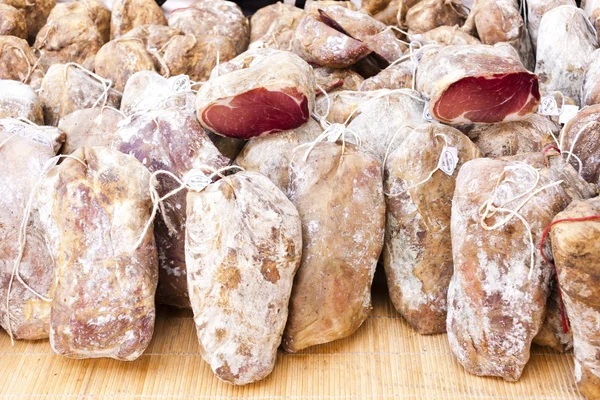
[257, 112]
[489, 99]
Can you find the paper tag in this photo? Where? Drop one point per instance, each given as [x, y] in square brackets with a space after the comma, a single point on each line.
[426, 114]
[448, 160]
[197, 180]
[31, 134]
[567, 113]
[335, 131]
[180, 84]
[548, 106]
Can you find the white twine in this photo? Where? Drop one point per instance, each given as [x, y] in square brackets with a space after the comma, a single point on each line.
[385, 93]
[488, 209]
[106, 83]
[105, 107]
[22, 240]
[161, 61]
[157, 200]
[30, 68]
[389, 147]
[333, 133]
[321, 118]
[430, 175]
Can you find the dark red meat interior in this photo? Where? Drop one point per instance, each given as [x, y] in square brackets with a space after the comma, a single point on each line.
[258, 112]
[489, 99]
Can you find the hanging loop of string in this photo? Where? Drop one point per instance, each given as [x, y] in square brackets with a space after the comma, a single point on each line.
[187, 182]
[430, 175]
[488, 209]
[106, 83]
[22, 239]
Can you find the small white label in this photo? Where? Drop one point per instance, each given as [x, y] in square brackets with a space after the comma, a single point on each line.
[180, 84]
[448, 160]
[426, 114]
[335, 132]
[197, 180]
[548, 106]
[567, 113]
[30, 134]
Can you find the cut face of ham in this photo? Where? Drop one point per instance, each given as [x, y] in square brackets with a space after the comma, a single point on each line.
[489, 99]
[477, 84]
[259, 92]
[258, 111]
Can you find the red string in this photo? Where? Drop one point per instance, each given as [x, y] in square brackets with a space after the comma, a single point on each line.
[544, 236]
[551, 147]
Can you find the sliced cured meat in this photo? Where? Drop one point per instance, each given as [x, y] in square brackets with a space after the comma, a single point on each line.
[590, 92]
[500, 21]
[322, 45]
[354, 23]
[262, 112]
[536, 10]
[561, 68]
[366, 29]
[477, 84]
[266, 91]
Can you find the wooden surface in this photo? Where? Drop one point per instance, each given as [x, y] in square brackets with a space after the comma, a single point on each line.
[385, 359]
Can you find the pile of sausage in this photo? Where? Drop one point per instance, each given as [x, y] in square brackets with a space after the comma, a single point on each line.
[257, 171]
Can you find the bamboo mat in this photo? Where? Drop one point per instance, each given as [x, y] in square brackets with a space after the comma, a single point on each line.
[385, 359]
